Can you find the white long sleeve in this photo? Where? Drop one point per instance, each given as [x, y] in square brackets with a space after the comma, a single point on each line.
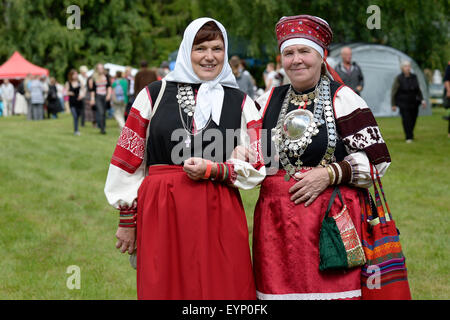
[246, 175]
[127, 169]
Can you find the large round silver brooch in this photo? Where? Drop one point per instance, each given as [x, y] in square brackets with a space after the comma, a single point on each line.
[296, 123]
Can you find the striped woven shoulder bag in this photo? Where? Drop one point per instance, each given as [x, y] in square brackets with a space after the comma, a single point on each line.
[384, 276]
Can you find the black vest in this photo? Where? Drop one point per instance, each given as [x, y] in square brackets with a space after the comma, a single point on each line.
[165, 144]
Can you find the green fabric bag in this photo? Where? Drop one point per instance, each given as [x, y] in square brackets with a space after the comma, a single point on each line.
[331, 247]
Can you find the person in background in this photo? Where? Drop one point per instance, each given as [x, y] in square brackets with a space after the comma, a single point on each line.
[447, 94]
[84, 94]
[119, 98]
[407, 96]
[130, 79]
[144, 77]
[1, 102]
[7, 97]
[37, 98]
[163, 69]
[27, 94]
[243, 80]
[100, 88]
[60, 93]
[350, 72]
[53, 103]
[109, 107]
[45, 82]
[271, 77]
[73, 89]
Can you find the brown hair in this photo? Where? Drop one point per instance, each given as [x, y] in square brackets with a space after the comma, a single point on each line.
[209, 32]
[69, 76]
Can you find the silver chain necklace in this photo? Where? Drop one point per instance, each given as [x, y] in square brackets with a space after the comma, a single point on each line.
[186, 102]
[294, 131]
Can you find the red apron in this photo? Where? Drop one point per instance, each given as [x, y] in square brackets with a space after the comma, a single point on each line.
[286, 245]
[192, 239]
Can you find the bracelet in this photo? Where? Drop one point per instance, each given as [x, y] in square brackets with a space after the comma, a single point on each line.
[330, 174]
[217, 172]
[208, 170]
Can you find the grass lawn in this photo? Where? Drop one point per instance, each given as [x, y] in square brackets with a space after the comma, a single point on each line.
[55, 214]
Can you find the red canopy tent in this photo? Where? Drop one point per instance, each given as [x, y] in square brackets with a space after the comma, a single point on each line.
[17, 67]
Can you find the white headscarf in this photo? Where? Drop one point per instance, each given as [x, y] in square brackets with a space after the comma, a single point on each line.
[210, 94]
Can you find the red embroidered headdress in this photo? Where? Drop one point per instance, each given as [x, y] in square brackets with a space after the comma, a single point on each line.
[304, 26]
[308, 30]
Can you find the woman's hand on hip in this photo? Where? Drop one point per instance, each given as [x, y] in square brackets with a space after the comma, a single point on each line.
[126, 239]
[195, 168]
[312, 183]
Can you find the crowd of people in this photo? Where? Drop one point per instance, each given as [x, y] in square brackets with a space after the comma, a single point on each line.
[90, 99]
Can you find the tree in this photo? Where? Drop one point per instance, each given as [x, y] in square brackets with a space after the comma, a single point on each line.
[127, 31]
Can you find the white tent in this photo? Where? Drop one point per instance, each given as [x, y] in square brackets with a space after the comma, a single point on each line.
[380, 65]
[113, 68]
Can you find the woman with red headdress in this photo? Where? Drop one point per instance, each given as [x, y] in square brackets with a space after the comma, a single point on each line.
[322, 135]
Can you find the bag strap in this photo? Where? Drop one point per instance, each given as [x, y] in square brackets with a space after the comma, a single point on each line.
[333, 196]
[158, 99]
[154, 107]
[382, 192]
[378, 202]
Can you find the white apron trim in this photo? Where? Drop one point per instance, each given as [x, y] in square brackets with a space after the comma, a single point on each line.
[310, 296]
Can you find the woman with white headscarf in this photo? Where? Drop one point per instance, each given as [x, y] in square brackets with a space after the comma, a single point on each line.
[174, 176]
[323, 135]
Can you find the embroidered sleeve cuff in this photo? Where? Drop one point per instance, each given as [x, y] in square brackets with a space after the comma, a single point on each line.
[231, 178]
[128, 217]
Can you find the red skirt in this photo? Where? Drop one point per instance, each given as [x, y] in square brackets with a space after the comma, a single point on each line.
[286, 245]
[192, 239]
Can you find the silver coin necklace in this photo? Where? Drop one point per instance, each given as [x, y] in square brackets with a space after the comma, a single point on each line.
[186, 103]
[294, 131]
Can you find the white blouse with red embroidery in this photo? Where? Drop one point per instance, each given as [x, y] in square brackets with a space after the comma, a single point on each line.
[127, 169]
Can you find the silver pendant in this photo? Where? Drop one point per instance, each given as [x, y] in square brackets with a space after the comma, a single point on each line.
[296, 123]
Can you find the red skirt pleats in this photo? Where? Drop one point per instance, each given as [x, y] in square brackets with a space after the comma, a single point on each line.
[192, 239]
[286, 245]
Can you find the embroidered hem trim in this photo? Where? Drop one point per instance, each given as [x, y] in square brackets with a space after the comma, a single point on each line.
[310, 296]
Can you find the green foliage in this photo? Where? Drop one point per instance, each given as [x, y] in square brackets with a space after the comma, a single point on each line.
[127, 31]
